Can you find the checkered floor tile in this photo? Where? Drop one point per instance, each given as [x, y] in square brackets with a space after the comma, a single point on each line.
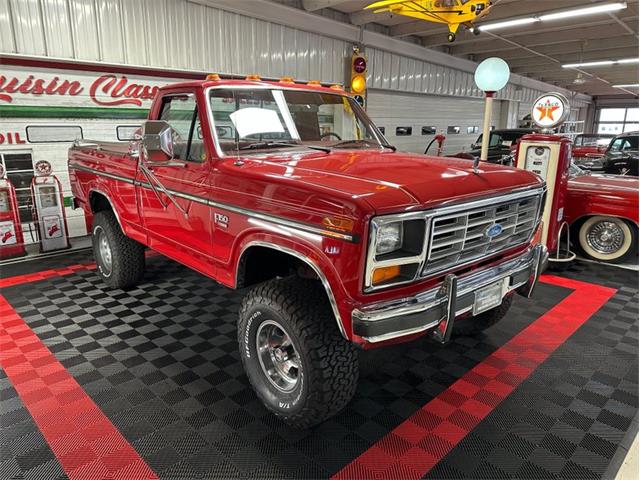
[161, 363]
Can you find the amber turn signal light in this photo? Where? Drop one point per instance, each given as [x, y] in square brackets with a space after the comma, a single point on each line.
[314, 83]
[383, 274]
[537, 237]
[287, 80]
[336, 87]
[253, 78]
[339, 224]
[214, 77]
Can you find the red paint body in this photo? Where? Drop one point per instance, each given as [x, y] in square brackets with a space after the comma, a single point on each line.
[302, 187]
[613, 195]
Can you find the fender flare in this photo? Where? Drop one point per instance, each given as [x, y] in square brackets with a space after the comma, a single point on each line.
[312, 265]
[93, 190]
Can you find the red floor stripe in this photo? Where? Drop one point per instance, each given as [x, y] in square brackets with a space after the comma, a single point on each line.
[44, 274]
[85, 442]
[414, 447]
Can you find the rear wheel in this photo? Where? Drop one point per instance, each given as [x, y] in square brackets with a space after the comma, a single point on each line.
[608, 239]
[120, 260]
[300, 366]
[473, 325]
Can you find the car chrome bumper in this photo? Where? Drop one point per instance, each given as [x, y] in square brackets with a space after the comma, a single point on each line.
[437, 308]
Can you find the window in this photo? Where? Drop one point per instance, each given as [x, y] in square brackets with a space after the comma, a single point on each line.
[428, 130]
[472, 130]
[19, 168]
[126, 133]
[453, 130]
[266, 119]
[181, 112]
[404, 131]
[618, 120]
[624, 143]
[53, 133]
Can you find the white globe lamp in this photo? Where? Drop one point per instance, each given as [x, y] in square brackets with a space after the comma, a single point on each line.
[491, 76]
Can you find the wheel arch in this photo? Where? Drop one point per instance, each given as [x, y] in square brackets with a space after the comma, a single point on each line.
[98, 201]
[575, 225]
[251, 245]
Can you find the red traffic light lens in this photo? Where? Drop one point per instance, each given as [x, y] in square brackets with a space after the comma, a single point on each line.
[359, 65]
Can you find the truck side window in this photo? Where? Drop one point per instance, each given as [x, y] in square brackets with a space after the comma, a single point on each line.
[181, 112]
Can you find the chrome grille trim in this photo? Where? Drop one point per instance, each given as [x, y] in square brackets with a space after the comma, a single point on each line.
[521, 227]
[461, 237]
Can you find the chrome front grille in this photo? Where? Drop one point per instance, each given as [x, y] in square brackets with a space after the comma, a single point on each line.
[462, 237]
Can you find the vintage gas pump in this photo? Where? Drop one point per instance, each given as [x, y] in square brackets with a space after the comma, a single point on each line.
[11, 238]
[549, 156]
[49, 209]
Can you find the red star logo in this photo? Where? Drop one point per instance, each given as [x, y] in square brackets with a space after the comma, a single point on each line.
[547, 110]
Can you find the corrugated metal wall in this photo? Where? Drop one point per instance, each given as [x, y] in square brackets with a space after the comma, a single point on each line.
[181, 34]
[391, 110]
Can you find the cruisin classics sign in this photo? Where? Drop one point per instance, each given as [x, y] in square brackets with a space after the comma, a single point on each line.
[33, 86]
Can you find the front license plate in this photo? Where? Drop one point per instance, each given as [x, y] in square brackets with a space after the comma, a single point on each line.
[488, 297]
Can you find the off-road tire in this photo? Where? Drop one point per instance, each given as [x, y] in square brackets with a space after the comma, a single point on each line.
[127, 255]
[329, 364]
[473, 325]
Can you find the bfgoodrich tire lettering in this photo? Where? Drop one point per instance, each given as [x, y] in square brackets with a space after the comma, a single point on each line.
[328, 366]
[120, 260]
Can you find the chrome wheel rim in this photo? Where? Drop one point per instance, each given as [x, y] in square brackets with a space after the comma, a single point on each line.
[605, 237]
[278, 357]
[104, 250]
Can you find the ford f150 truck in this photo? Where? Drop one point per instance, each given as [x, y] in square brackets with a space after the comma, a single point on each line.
[291, 190]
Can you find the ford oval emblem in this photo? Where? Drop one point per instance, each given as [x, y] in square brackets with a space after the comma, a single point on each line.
[493, 231]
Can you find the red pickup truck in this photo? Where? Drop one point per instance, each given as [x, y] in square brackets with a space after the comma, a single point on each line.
[291, 190]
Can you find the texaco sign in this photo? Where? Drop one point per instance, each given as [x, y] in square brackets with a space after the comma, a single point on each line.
[550, 110]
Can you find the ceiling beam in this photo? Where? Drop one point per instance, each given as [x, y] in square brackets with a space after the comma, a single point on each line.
[313, 5]
[533, 39]
[511, 52]
[367, 16]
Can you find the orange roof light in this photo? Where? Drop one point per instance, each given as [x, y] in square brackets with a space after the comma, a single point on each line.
[214, 77]
[253, 78]
[314, 83]
[336, 87]
[287, 80]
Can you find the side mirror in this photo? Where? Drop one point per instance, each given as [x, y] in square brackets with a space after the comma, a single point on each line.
[157, 141]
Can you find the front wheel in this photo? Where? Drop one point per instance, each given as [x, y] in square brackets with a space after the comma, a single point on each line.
[120, 260]
[297, 362]
[608, 239]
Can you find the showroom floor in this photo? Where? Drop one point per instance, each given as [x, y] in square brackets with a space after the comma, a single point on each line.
[552, 391]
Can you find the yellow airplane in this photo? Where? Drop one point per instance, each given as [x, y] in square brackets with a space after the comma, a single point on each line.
[451, 12]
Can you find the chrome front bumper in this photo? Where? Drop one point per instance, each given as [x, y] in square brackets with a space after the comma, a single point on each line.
[436, 309]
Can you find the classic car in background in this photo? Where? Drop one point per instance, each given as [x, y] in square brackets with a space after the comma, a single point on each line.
[588, 149]
[621, 157]
[502, 143]
[602, 211]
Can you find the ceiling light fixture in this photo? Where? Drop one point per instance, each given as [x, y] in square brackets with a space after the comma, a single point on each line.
[576, 12]
[600, 63]
[626, 85]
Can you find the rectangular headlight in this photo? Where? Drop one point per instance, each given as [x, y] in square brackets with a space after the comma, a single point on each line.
[389, 238]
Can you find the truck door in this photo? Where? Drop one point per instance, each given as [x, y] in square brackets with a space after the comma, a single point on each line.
[173, 196]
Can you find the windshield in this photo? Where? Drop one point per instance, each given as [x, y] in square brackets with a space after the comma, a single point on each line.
[505, 139]
[621, 144]
[576, 171]
[267, 119]
[592, 141]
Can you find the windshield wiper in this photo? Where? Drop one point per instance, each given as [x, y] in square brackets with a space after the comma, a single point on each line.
[347, 143]
[258, 145]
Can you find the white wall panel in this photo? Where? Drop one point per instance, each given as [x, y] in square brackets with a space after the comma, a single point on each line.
[27, 27]
[110, 31]
[6, 28]
[396, 109]
[84, 28]
[58, 34]
[188, 35]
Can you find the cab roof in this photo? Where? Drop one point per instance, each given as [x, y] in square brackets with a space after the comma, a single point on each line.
[253, 83]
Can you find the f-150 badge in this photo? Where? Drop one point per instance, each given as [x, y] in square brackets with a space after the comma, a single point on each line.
[221, 220]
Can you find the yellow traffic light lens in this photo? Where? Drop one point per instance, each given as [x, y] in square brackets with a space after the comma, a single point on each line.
[358, 84]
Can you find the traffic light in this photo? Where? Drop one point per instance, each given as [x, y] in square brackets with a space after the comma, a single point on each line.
[358, 85]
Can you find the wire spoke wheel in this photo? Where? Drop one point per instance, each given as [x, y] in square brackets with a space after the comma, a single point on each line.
[278, 357]
[606, 237]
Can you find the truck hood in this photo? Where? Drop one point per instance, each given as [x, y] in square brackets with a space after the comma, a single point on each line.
[605, 184]
[389, 180]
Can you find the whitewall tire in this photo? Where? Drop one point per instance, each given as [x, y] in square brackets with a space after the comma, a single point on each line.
[608, 239]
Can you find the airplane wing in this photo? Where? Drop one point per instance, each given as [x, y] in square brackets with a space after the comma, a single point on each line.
[384, 4]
